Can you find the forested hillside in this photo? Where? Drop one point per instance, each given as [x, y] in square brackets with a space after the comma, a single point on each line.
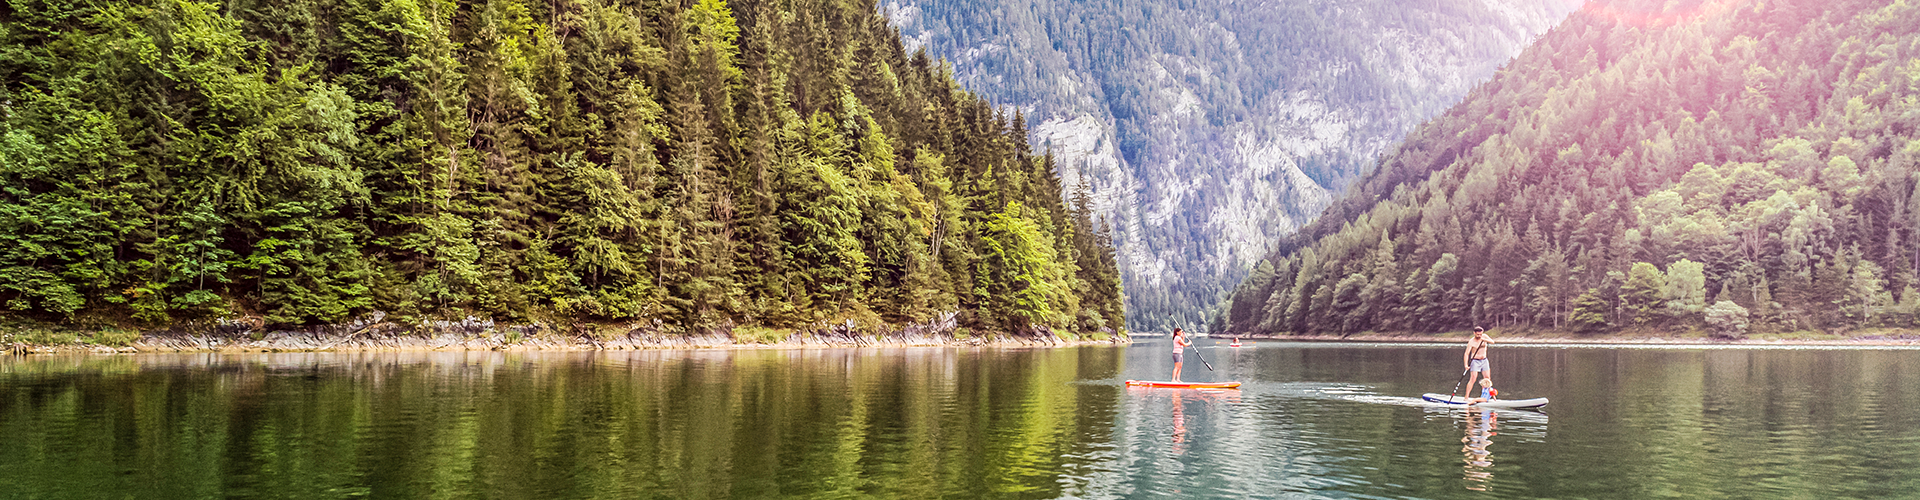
[694, 165]
[1208, 129]
[1731, 166]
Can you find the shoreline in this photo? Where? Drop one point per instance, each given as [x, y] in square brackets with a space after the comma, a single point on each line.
[515, 340]
[450, 342]
[374, 334]
[1892, 340]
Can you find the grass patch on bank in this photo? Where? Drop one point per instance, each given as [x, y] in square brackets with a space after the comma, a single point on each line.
[760, 335]
[1798, 335]
[1885, 332]
[37, 333]
[114, 337]
[38, 336]
[84, 330]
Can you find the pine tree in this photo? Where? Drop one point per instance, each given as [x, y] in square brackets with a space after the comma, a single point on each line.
[1590, 311]
[1020, 276]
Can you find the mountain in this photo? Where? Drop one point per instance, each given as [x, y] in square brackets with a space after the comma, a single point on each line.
[690, 166]
[1723, 166]
[1206, 129]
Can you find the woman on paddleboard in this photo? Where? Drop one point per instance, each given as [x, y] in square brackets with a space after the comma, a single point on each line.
[1180, 344]
[1475, 358]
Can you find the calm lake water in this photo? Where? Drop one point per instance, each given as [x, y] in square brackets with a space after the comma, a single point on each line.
[1314, 420]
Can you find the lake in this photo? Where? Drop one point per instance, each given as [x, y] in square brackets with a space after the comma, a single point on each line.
[1313, 420]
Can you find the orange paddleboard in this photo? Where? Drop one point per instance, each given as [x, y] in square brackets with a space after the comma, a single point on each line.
[1185, 385]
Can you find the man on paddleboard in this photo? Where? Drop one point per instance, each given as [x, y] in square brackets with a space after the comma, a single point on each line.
[1180, 344]
[1475, 358]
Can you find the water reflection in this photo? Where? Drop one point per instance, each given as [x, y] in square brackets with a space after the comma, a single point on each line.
[1481, 427]
[1179, 424]
[1311, 421]
[688, 424]
[1211, 404]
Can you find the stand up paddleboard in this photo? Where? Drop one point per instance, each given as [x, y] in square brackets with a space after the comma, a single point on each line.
[1497, 403]
[1184, 385]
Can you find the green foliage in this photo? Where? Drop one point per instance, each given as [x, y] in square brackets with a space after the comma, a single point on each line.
[1590, 312]
[705, 165]
[1766, 156]
[1021, 278]
[1865, 300]
[1907, 312]
[1686, 289]
[1727, 319]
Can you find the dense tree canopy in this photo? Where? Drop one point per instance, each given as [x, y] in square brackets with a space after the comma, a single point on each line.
[1645, 165]
[696, 163]
[1209, 128]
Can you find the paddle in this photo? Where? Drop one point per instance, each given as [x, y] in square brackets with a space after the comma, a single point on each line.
[1456, 383]
[1203, 359]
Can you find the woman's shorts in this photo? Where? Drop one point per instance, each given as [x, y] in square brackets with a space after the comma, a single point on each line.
[1176, 356]
[1478, 365]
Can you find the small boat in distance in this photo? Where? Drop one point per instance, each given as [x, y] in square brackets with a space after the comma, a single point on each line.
[1184, 385]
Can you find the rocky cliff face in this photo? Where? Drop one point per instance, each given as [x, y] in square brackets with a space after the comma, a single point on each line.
[1207, 128]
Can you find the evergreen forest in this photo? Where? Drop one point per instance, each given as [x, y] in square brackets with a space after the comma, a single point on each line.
[1692, 166]
[693, 165]
[1211, 128]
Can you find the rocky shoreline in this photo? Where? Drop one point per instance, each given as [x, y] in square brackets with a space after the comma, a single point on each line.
[483, 335]
[307, 342]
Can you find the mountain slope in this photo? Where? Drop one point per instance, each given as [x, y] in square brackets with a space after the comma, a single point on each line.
[1207, 129]
[688, 166]
[1733, 166]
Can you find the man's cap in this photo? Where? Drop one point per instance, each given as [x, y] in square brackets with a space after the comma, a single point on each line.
[1479, 329]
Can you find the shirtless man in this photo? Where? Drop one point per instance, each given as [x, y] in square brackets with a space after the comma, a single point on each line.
[1475, 359]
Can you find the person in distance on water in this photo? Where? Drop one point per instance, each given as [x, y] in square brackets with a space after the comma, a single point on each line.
[1475, 358]
[1180, 344]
